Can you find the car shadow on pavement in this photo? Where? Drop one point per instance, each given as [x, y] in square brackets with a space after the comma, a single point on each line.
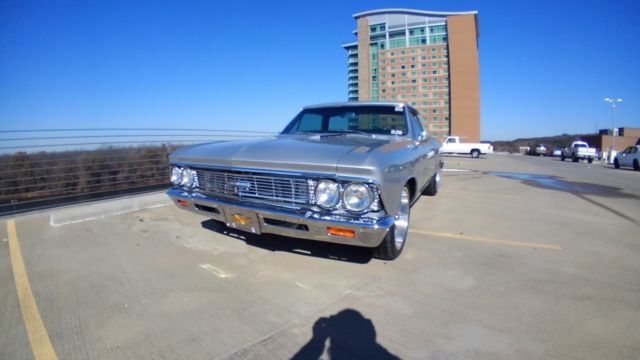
[350, 335]
[325, 250]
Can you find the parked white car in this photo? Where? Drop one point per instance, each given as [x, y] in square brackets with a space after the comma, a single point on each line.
[630, 157]
[541, 150]
[453, 145]
[578, 150]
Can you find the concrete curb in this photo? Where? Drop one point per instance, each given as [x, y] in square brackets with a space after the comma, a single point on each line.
[86, 212]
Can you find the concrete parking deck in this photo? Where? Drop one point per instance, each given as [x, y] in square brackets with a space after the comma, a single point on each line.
[499, 265]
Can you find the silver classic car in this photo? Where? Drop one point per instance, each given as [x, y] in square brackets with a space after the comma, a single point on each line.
[345, 173]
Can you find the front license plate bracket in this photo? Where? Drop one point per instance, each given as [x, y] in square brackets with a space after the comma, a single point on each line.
[243, 220]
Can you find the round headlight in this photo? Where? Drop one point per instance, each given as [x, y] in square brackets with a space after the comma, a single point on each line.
[187, 177]
[327, 193]
[357, 197]
[176, 175]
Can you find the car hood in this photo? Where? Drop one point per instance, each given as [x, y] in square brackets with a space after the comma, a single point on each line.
[298, 152]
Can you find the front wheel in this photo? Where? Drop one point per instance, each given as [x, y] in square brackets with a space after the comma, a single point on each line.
[562, 157]
[636, 165]
[590, 160]
[394, 241]
[574, 158]
[475, 153]
[616, 164]
[432, 188]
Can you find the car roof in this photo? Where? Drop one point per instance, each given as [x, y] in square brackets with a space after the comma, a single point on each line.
[358, 103]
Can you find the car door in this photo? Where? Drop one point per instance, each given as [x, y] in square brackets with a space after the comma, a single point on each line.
[625, 158]
[425, 151]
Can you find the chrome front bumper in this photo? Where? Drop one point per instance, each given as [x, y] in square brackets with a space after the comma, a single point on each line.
[272, 221]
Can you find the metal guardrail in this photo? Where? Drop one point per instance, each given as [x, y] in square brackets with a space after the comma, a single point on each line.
[51, 167]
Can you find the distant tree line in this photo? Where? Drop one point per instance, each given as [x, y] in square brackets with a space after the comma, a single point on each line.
[30, 177]
[513, 146]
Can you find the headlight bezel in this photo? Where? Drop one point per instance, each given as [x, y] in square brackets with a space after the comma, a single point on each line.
[183, 177]
[374, 203]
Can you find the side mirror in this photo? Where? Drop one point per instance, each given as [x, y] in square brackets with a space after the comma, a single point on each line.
[423, 136]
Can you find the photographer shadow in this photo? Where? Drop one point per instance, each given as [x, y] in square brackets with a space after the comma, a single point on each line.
[312, 248]
[350, 335]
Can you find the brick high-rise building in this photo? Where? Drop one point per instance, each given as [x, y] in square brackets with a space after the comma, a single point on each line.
[423, 58]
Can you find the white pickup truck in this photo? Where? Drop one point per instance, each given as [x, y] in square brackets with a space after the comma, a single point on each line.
[577, 151]
[453, 145]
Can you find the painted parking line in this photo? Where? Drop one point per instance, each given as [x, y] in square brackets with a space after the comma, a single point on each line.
[483, 194]
[36, 332]
[488, 240]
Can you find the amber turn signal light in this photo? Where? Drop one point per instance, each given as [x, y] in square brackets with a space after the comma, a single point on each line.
[182, 202]
[341, 232]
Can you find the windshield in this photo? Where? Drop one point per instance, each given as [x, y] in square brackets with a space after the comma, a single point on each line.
[580, 145]
[389, 120]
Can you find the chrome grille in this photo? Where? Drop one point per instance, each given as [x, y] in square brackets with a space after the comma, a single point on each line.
[278, 190]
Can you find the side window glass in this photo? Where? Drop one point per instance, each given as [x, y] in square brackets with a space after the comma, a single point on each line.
[310, 122]
[415, 122]
[338, 123]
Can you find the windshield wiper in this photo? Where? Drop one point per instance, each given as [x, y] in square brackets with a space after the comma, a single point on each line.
[349, 131]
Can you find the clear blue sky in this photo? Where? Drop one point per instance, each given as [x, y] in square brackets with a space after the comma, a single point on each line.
[545, 66]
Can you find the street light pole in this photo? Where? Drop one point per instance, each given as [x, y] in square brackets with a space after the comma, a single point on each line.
[613, 102]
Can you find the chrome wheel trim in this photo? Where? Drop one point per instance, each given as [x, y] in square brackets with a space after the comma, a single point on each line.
[437, 180]
[401, 220]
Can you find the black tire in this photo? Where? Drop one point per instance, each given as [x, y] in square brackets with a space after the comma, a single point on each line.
[574, 158]
[636, 165]
[590, 160]
[616, 164]
[393, 243]
[562, 156]
[432, 188]
[475, 153]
